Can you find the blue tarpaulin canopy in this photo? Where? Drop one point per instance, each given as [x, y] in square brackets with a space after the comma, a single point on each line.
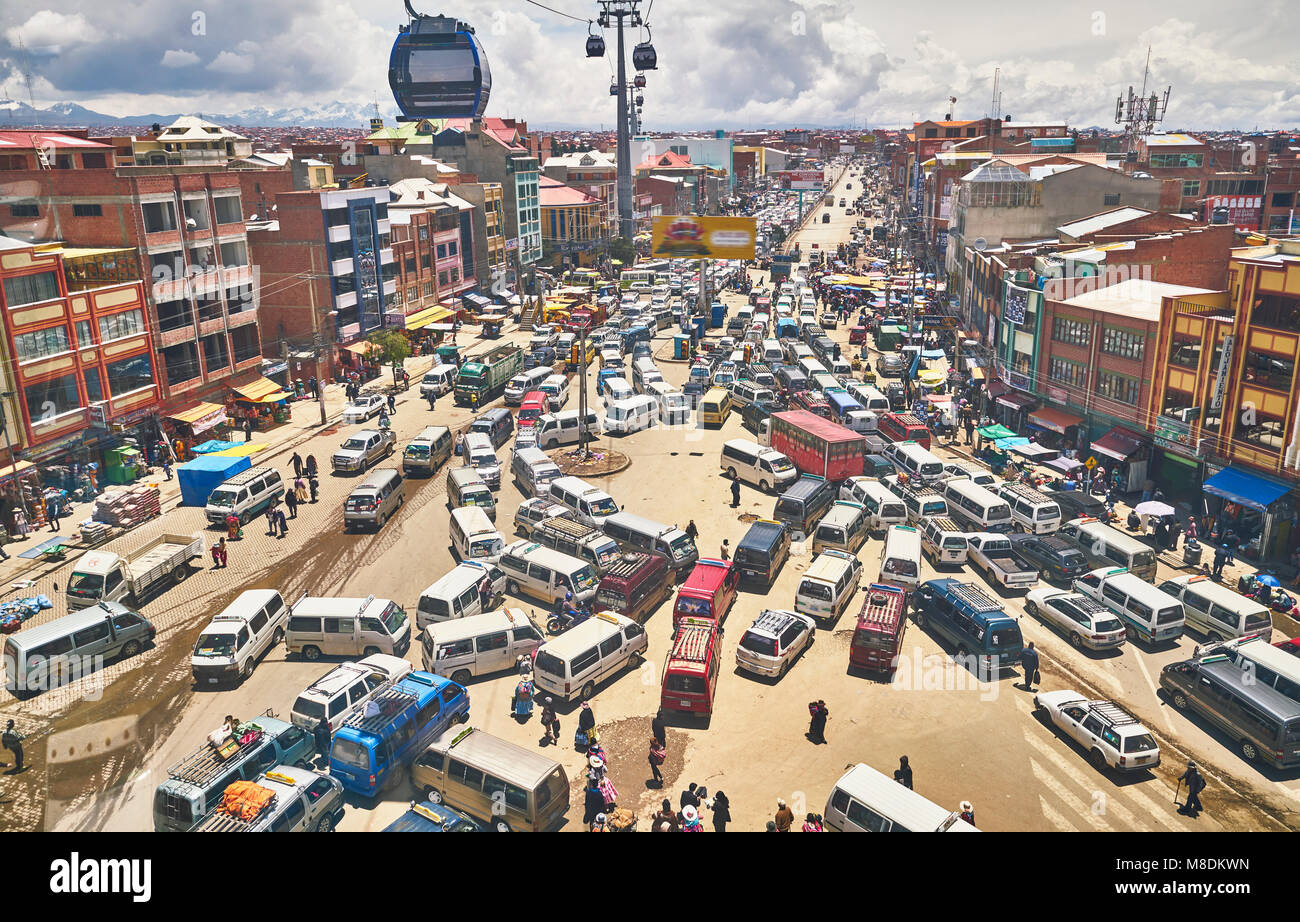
[200, 476]
[213, 445]
[1004, 444]
[1248, 489]
[933, 354]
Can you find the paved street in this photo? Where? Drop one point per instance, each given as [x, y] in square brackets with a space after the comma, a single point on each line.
[106, 740]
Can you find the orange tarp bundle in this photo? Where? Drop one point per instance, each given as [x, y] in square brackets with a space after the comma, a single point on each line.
[244, 800]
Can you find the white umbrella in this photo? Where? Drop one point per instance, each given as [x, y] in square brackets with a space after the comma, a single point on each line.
[1151, 507]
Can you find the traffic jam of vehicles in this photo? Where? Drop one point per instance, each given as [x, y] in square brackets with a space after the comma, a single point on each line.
[867, 523]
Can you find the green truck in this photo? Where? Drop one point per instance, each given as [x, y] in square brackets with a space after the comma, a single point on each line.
[483, 377]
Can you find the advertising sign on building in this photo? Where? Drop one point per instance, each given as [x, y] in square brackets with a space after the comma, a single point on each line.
[801, 179]
[1017, 303]
[1221, 374]
[1243, 210]
[695, 237]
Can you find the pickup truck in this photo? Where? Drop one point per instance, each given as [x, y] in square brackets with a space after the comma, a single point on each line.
[992, 553]
[109, 577]
[363, 449]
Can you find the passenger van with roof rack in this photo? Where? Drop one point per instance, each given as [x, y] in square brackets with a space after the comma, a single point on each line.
[572, 665]
[342, 691]
[1216, 612]
[971, 621]
[245, 495]
[690, 677]
[292, 800]
[879, 629]
[828, 585]
[773, 642]
[1148, 614]
[1033, 511]
[634, 585]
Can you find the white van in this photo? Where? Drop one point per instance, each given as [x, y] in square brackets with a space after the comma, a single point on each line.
[864, 422]
[573, 664]
[1215, 611]
[587, 503]
[811, 368]
[466, 488]
[870, 398]
[455, 593]
[921, 466]
[427, 451]
[534, 471]
[772, 352]
[1034, 512]
[976, 507]
[674, 406]
[631, 415]
[841, 368]
[965, 470]
[438, 380]
[245, 496]
[473, 536]
[525, 381]
[883, 508]
[233, 641]
[347, 627]
[843, 528]
[765, 468]
[478, 452]
[944, 541]
[864, 800]
[556, 389]
[1105, 546]
[545, 574]
[1147, 613]
[828, 585]
[617, 389]
[562, 428]
[479, 644]
[900, 560]
[339, 694]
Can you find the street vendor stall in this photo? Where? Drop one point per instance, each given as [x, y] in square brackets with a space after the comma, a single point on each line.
[492, 323]
[262, 401]
[200, 422]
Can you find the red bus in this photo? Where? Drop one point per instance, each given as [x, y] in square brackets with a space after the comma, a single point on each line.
[818, 446]
[904, 427]
[878, 635]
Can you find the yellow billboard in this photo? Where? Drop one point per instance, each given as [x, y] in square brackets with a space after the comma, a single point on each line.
[703, 237]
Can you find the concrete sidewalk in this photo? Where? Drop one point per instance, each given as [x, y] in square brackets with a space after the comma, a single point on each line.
[304, 423]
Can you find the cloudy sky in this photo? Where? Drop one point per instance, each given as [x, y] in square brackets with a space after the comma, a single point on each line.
[722, 63]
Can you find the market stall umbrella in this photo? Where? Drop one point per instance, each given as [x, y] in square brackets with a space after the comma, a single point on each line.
[1151, 507]
[1065, 465]
[996, 431]
[1269, 580]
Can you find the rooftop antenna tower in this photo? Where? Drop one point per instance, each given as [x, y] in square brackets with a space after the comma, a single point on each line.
[1140, 113]
[995, 109]
[26, 71]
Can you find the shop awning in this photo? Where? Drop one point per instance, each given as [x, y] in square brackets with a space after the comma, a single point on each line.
[202, 417]
[1119, 443]
[996, 432]
[260, 390]
[244, 448]
[476, 300]
[976, 373]
[1016, 401]
[1053, 419]
[361, 348]
[208, 447]
[421, 319]
[996, 388]
[1248, 489]
[1065, 465]
[1040, 454]
[16, 470]
[1015, 441]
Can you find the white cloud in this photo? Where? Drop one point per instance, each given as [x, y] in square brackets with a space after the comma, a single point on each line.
[230, 63]
[178, 58]
[49, 31]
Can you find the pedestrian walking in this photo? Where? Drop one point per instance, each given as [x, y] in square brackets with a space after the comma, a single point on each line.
[12, 740]
[666, 816]
[1029, 665]
[550, 723]
[300, 489]
[291, 500]
[586, 723]
[3, 554]
[248, 429]
[313, 387]
[1195, 784]
[658, 755]
[968, 812]
[296, 461]
[322, 739]
[818, 714]
[691, 531]
[314, 485]
[167, 468]
[725, 553]
[52, 512]
[311, 466]
[593, 801]
[270, 521]
[735, 493]
[784, 818]
[721, 812]
[903, 774]
[281, 522]
[657, 729]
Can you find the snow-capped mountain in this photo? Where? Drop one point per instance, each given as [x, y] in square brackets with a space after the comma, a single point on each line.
[15, 114]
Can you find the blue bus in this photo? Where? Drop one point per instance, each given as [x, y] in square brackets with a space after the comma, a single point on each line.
[841, 404]
[787, 328]
[372, 748]
[971, 621]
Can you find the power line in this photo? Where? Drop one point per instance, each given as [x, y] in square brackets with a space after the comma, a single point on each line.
[562, 13]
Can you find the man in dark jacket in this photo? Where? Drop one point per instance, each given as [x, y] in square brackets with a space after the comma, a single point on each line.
[657, 729]
[1029, 664]
[323, 739]
[903, 774]
[1220, 558]
[1195, 784]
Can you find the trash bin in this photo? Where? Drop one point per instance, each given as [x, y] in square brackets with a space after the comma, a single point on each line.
[701, 324]
[1192, 552]
[681, 346]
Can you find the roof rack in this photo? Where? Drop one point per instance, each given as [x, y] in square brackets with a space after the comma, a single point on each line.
[692, 642]
[205, 763]
[1112, 712]
[973, 596]
[391, 702]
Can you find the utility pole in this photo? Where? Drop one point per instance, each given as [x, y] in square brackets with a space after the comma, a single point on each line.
[620, 14]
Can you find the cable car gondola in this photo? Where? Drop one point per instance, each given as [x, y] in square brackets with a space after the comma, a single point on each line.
[613, 89]
[437, 69]
[595, 44]
[644, 56]
[639, 81]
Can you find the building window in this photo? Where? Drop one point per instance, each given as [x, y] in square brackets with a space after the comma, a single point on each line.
[1191, 188]
[442, 279]
[234, 253]
[48, 399]
[229, 209]
[1276, 311]
[1185, 350]
[1110, 199]
[428, 289]
[1073, 373]
[196, 210]
[159, 216]
[340, 249]
[932, 132]
[130, 374]
[167, 266]
[215, 355]
[245, 343]
[412, 293]
[41, 343]
[84, 338]
[180, 363]
[87, 211]
[452, 248]
[25, 210]
[336, 217]
[1122, 343]
[1071, 332]
[31, 289]
[1118, 387]
[1269, 370]
[94, 392]
[93, 161]
[424, 232]
[442, 251]
[202, 257]
[173, 315]
[1283, 199]
[118, 326]
[1178, 161]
